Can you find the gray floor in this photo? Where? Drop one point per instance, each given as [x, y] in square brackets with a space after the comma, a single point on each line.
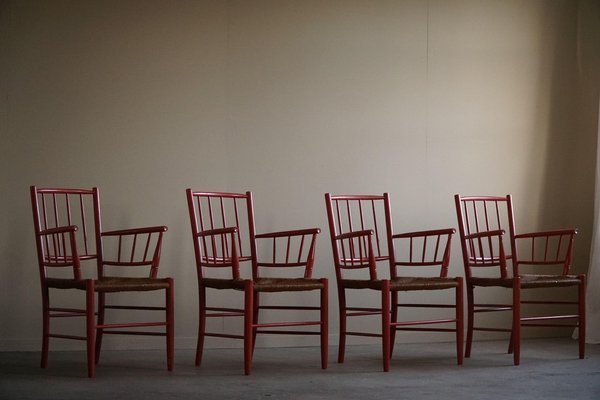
[549, 369]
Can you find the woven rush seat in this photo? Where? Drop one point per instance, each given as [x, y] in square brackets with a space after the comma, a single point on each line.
[216, 283]
[286, 284]
[111, 284]
[403, 283]
[529, 281]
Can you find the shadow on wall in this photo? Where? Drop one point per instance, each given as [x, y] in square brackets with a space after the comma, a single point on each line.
[570, 149]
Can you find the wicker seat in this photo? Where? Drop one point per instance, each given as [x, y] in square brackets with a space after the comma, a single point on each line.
[224, 238]
[529, 281]
[115, 284]
[361, 238]
[287, 284]
[62, 218]
[483, 222]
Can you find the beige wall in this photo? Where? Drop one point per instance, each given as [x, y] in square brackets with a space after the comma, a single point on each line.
[289, 99]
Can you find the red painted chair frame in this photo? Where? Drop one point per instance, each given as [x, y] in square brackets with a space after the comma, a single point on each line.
[220, 241]
[62, 244]
[357, 246]
[483, 222]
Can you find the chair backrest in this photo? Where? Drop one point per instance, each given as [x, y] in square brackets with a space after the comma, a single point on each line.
[487, 231]
[359, 228]
[222, 229]
[67, 226]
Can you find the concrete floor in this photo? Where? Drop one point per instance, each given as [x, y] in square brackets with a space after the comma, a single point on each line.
[549, 370]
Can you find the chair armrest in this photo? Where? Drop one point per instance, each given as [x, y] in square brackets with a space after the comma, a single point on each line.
[297, 232]
[489, 234]
[557, 232]
[135, 231]
[60, 229]
[354, 234]
[434, 232]
[58, 254]
[216, 232]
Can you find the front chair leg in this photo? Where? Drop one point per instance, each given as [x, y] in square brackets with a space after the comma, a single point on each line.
[101, 316]
[45, 326]
[516, 331]
[201, 323]
[385, 323]
[394, 311]
[248, 326]
[343, 317]
[255, 312]
[581, 318]
[90, 313]
[470, 318]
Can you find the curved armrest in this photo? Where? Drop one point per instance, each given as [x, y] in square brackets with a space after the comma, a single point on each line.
[557, 232]
[433, 232]
[135, 231]
[60, 229]
[219, 231]
[354, 234]
[297, 232]
[489, 234]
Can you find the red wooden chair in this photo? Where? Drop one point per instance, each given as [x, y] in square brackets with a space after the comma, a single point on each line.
[483, 221]
[362, 237]
[224, 237]
[68, 236]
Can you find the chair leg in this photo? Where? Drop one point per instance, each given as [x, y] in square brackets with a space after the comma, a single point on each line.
[343, 317]
[394, 319]
[470, 318]
[582, 326]
[90, 327]
[248, 326]
[201, 323]
[459, 321]
[255, 311]
[511, 341]
[101, 316]
[45, 326]
[516, 330]
[170, 316]
[385, 323]
[324, 323]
